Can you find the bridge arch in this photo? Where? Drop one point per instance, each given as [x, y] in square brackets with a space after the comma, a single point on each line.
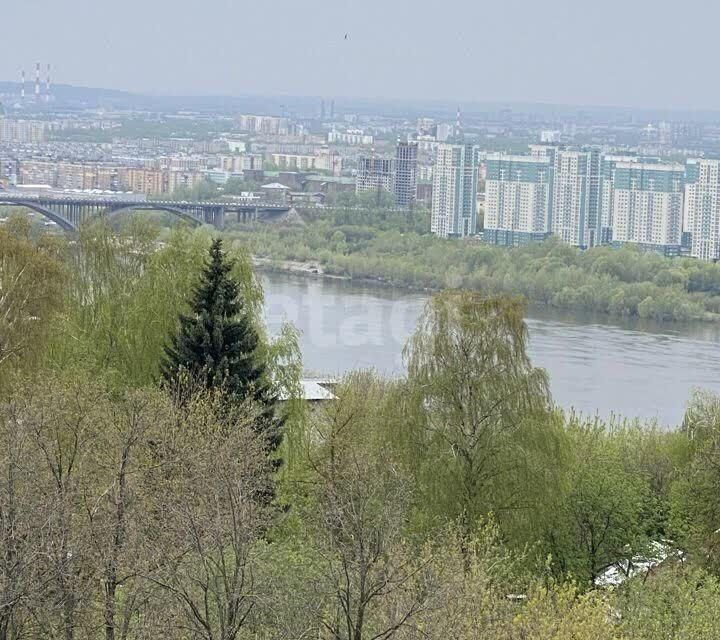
[151, 206]
[61, 221]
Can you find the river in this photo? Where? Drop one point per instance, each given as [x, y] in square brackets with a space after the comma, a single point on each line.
[596, 365]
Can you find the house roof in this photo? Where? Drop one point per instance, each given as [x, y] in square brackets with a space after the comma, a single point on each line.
[275, 185]
[315, 390]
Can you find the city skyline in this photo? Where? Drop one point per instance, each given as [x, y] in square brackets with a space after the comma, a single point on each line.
[630, 56]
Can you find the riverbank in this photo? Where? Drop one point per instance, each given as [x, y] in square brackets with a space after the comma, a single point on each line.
[622, 283]
[612, 367]
[314, 269]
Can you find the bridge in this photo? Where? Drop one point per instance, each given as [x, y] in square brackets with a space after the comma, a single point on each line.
[71, 211]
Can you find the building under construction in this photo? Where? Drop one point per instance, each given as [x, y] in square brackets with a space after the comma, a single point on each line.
[405, 179]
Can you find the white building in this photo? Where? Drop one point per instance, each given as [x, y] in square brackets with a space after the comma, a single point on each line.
[455, 191]
[425, 126]
[550, 137]
[268, 125]
[575, 196]
[647, 205]
[443, 132]
[702, 208]
[237, 163]
[517, 199]
[606, 214]
[23, 131]
[351, 137]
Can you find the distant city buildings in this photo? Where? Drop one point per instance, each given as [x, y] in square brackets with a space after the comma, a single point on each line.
[351, 137]
[68, 175]
[397, 175]
[426, 126]
[626, 187]
[454, 194]
[586, 199]
[157, 181]
[322, 160]
[23, 131]
[267, 125]
[443, 132]
[550, 137]
[238, 163]
[93, 176]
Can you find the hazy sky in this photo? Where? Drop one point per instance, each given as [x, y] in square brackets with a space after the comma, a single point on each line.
[660, 53]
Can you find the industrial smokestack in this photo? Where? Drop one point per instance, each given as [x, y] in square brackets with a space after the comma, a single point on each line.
[22, 85]
[47, 85]
[37, 81]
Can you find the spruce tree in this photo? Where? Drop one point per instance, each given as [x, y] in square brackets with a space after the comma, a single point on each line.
[217, 346]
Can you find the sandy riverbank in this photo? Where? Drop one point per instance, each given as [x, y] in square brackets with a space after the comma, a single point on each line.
[291, 266]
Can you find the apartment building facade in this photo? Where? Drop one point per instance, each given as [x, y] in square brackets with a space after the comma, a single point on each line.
[517, 199]
[454, 208]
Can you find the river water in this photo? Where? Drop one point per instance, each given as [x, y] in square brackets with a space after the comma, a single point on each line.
[596, 365]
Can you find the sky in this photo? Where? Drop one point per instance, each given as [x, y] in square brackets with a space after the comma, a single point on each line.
[636, 53]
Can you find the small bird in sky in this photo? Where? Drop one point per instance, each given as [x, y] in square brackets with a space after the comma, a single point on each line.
[346, 36]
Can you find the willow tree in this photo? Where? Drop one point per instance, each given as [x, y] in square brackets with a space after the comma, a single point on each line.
[31, 280]
[483, 436]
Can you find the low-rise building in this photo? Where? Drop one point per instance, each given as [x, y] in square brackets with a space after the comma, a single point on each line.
[351, 137]
[275, 192]
[237, 163]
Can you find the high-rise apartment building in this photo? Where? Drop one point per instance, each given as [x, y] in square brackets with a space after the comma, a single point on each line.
[454, 198]
[702, 208]
[374, 174]
[517, 199]
[647, 205]
[606, 214]
[405, 182]
[575, 197]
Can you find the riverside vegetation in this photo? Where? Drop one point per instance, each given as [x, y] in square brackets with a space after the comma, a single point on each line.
[379, 244]
[160, 475]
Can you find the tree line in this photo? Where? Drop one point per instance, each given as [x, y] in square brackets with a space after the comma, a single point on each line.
[397, 249]
[161, 476]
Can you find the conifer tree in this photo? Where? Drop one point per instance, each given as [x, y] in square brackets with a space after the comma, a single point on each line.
[217, 346]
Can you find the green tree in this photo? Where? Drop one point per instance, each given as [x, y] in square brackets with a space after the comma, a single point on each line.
[218, 347]
[695, 503]
[678, 603]
[607, 511]
[31, 280]
[480, 430]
